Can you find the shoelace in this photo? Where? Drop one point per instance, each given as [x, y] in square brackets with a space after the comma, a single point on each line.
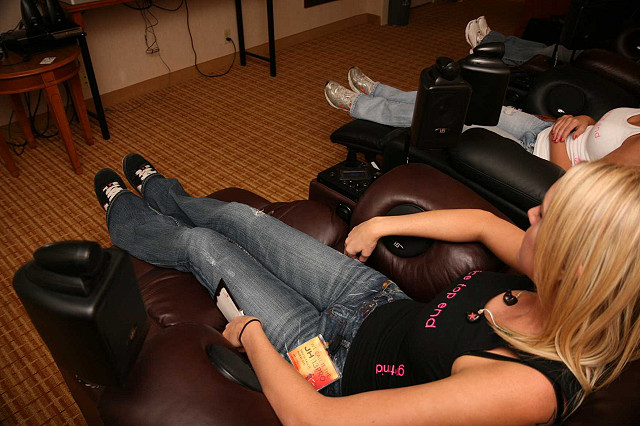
[145, 172]
[111, 190]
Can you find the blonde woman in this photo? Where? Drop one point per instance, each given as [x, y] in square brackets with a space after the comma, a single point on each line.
[491, 349]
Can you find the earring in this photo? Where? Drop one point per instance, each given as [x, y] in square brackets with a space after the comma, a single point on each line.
[509, 299]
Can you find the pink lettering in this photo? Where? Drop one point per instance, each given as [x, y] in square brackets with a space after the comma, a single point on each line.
[390, 369]
[431, 322]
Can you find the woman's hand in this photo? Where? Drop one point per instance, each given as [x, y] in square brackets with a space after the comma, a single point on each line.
[362, 240]
[567, 124]
[233, 329]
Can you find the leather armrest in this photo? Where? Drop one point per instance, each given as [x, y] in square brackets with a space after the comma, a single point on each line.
[424, 275]
[613, 67]
[504, 167]
[362, 136]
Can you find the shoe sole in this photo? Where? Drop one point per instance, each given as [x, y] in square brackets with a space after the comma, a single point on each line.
[466, 32]
[487, 30]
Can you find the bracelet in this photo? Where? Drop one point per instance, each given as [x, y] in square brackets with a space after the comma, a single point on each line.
[245, 326]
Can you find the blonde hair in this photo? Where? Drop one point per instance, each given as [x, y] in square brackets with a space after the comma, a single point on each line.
[587, 274]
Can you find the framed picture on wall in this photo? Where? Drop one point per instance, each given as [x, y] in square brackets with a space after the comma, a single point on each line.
[310, 3]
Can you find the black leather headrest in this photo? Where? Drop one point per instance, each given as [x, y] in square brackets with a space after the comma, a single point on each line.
[570, 90]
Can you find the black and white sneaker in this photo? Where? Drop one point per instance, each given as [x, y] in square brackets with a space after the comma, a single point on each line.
[137, 169]
[107, 185]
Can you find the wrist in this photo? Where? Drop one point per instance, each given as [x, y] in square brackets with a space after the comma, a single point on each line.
[247, 329]
[378, 225]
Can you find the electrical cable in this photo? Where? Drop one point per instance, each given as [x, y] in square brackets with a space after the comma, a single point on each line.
[148, 6]
[164, 8]
[151, 41]
[233, 60]
[14, 145]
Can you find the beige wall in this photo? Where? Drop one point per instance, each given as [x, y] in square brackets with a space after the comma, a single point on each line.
[116, 34]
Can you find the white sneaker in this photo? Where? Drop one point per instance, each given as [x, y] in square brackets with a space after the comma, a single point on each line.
[359, 82]
[472, 32]
[339, 96]
[483, 26]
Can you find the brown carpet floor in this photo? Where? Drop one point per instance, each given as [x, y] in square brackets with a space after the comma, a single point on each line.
[268, 135]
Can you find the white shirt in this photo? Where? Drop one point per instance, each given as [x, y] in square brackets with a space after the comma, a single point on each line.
[597, 141]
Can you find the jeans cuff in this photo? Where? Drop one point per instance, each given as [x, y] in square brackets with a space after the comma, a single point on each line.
[148, 179]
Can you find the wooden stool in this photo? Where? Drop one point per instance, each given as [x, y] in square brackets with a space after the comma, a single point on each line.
[32, 75]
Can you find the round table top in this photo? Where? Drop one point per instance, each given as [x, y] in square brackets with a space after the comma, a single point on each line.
[10, 69]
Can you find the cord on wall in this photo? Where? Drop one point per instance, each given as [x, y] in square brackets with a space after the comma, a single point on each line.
[195, 54]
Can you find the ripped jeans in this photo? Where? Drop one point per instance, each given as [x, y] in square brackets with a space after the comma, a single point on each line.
[294, 284]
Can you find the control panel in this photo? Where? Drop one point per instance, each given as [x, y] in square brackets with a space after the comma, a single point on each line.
[349, 179]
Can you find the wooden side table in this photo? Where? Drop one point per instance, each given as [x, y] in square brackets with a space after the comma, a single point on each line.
[33, 75]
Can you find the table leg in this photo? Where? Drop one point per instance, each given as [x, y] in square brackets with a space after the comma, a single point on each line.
[243, 55]
[93, 84]
[272, 41]
[57, 108]
[5, 153]
[23, 120]
[75, 87]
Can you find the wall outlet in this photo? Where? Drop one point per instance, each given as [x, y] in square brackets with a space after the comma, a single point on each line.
[84, 79]
[227, 34]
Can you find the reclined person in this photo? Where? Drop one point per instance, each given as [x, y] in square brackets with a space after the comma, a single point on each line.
[488, 343]
[566, 142]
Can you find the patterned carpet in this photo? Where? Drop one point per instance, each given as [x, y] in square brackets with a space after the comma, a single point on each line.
[268, 135]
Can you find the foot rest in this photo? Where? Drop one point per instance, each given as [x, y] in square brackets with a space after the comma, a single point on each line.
[362, 136]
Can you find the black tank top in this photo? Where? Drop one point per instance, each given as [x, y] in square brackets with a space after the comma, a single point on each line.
[408, 343]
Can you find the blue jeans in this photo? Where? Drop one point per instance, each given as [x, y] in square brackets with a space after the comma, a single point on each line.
[394, 107]
[385, 105]
[517, 51]
[294, 284]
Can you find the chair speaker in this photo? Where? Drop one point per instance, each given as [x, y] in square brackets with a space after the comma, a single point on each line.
[85, 304]
[441, 106]
[489, 78]
[401, 245]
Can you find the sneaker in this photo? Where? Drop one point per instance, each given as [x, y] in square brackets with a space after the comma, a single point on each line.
[359, 82]
[483, 27]
[471, 32]
[137, 169]
[339, 96]
[107, 185]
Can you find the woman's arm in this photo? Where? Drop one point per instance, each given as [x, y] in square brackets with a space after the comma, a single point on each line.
[483, 394]
[459, 225]
[558, 154]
